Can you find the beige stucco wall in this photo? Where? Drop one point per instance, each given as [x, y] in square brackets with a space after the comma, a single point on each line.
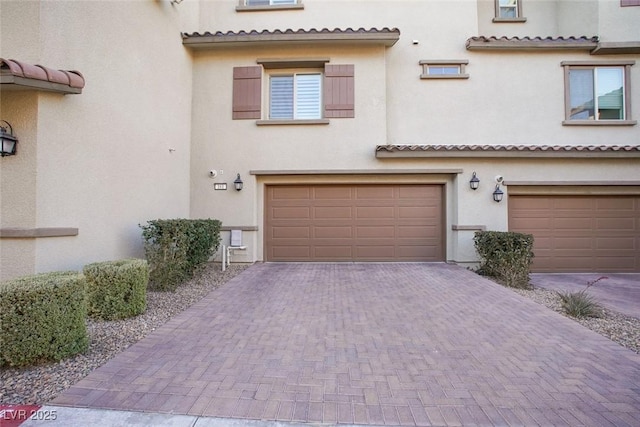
[103, 161]
[510, 98]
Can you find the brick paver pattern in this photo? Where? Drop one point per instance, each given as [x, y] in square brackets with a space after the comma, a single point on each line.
[394, 344]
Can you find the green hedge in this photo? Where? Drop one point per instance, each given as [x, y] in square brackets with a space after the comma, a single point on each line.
[176, 248]
[42, 317]
[506, 256]
[117, 289]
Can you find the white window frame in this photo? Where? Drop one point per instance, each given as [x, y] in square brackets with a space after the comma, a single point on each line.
[624, 66]
[431, 68]
[294, 74]
[244, 6]
[517, 7]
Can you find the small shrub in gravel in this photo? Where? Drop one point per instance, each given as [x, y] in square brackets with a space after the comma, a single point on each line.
[117, 289]
[42, 317]
[581, 304]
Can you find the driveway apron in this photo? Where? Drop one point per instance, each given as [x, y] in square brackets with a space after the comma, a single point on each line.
[393, 343]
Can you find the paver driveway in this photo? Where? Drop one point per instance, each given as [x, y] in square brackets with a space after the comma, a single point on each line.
[414, 344]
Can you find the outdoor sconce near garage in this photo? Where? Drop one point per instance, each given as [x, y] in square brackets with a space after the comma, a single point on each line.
[474, 183]
[498, 194]
[238, 183]
[8, 142]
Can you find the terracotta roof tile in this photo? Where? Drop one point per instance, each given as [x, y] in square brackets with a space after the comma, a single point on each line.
[511, 150]
[493, 42]
[73, 79]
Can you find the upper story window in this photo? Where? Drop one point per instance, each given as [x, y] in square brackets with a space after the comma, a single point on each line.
[509, 11]
[444, 69]
[296, 96]
[597, 93]
[248, 5]
[295, 91]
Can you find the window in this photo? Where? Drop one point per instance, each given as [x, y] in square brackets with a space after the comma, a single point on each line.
[295, 97]
[296, 91]
[597, 93]
[269, 2]
[444, 69]
[624, 3]
[508, 11]
[262, 5]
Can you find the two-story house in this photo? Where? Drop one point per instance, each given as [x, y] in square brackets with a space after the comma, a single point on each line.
[361, 131]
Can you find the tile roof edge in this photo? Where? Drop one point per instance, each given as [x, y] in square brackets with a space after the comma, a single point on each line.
[71, 78]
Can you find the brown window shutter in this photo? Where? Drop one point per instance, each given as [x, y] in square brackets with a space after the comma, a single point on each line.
[339, 91]
[247, 89]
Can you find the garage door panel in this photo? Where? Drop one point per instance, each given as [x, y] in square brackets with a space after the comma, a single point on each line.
[374, 192]
[331, 253]
[290, 252]
[375, 231]
[616, 224]
[290, 232]
[369, 212]
[581, 233]
[333, 193]
[299, 193]
[291, 212]
[321, 212]
[342, 232]
[359, 222]
[419, 232]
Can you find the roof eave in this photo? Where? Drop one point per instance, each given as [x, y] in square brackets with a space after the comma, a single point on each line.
[9, 82]
[617, 48]
[521, 45]
[427, 151]
[214, 41]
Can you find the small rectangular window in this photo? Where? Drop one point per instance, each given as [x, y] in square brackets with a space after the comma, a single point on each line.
[269, 2]
[444, 69]
[597, 93]
[268, 5]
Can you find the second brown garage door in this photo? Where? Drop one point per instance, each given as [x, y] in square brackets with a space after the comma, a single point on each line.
[580, 233]
[354, 223]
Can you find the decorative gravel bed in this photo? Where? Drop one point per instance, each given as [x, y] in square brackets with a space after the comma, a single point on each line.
[42, 383]
[625, 330]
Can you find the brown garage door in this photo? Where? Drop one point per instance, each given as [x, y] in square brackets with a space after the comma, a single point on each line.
[354, 223]
[580, 233]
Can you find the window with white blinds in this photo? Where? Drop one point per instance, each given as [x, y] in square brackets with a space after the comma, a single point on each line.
[295, 97]
[268, 2]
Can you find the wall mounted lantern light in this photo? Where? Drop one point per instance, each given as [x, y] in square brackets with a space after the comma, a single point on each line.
[8, 142]
[474, 183]
[238, 183]
[498, 194]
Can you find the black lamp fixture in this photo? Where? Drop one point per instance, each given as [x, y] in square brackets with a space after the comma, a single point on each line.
[474, 183]
[238, 183]
[498, 194]
[8, 142]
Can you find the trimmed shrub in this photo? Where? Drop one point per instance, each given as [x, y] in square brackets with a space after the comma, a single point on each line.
[117, 289]
[42, 317]
[176, 248]
[506, 256]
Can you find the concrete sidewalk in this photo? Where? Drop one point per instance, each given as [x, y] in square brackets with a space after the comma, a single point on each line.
[371, 344]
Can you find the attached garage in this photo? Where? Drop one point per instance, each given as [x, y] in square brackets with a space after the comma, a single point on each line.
[360, 222]
[580, 233]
